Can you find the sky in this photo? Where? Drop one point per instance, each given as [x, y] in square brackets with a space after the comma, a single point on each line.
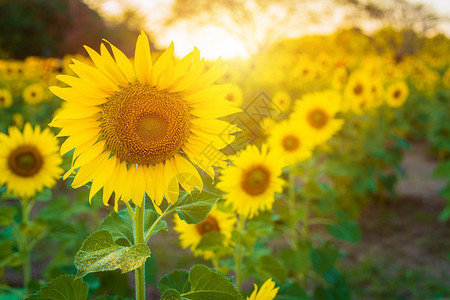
[215, 42]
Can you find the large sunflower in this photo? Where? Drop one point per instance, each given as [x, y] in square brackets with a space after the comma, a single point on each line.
[316, 113]
[140, 128]
[192, 234]
[251, 183]
[292, 141]
[29, 161]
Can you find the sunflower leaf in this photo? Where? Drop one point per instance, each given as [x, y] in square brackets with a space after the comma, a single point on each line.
[99, 253]
[177, 280]
[193, 208]
[121, 225]
[66, 287]
[210, 284]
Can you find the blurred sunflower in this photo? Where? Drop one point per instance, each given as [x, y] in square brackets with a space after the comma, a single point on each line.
[446, 78]
[357, 94]
[29, 161]
[33, 94]
[292, 141]
[141, 129]
[17, 120]
[5, 98]
[266, 292]
[339, 78]
[235, 95]
[396, 94]
[316, 113]
[282, 100]
[251, 183]
[192, 234]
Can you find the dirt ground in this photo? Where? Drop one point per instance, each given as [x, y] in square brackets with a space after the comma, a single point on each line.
[404, 240]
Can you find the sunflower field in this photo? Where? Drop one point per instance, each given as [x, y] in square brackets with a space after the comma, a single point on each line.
[318, 167]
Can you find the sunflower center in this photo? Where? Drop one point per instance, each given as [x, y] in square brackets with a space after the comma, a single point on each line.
[25, 161]
[397, 94]
[143, 125]
[290, 143]
[256, 180]
[317, 118]
[358, 89]
[208, 225]
[2, 99]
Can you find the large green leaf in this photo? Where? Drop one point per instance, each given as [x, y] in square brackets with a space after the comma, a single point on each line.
[324, 257]
[209, 284]
[6, 215]
[177, 280]
[202, 283]
[345, 230]
[271, 267]
[65, 287]
[193, 208]
[121, 225]
[99, 252]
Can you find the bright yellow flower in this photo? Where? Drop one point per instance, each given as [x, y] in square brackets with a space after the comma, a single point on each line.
[192, 234]
[29, 161]
[143, 128]
[251, 183]
[316, 113]
[5, 98]
[266, 292]
[292, 141]
[33, 94]
[397, 94]
[282, 100]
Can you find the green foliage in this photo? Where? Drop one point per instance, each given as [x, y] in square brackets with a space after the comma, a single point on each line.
[99, 252]
[65, 287]
[120, 225]
[201, 283]
[194, 207]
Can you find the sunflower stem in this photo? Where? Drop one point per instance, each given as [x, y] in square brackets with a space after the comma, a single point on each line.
[130, 209]
[291, 203]
[139, 239]
[27, 205]
[160, 218]
[238, 254]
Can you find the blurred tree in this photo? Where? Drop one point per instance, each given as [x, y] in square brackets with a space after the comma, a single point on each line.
[58, 27]
[258, 23]
[32, 27]
[404, 24]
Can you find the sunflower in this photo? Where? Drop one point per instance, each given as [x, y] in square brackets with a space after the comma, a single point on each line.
[5, 98]
[282, 100]
[235, 95]
[357, 94]
[192, 234]
[29, 161]
[316, 113]
[141, 128]
[396, 94]
[250, 184]
[266, 292]
[292, 141]
[33, 94]
[17, 120]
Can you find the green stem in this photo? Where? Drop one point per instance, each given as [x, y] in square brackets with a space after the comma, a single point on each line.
[160, 218]
[27, 205]
[238, 255]
[139, 239]
[130, 209]
[291, 204]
